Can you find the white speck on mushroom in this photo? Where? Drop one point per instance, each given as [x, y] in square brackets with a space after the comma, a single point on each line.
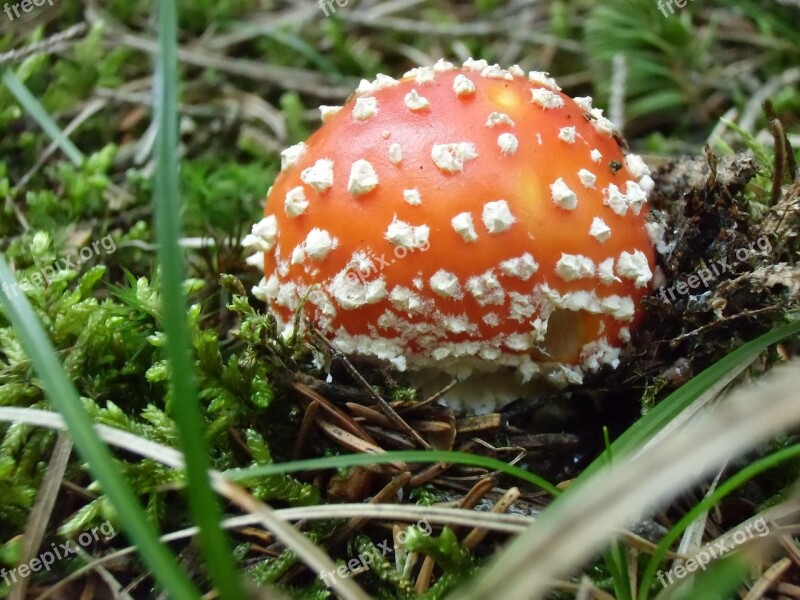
[475, 65]
[634, 266]
[442, 65]
[363, 178]
[412, 197]
[563, 195]
[415, 102]
[508, 143]
[587, 178]
[295, 203]
[615, 200]
[605, 271]
[581, 300]
[319, 243]
[522, 307]
[546, 98]
[402, 234]
[445, 284]
[269, 288]
[405, 299]
[522, 267]
[283, 265]
[459, 324]
[598, 353]
[383, 81]
[519, 342]
[255, 260]
[585, 102]
[497, 216]
[497, 118]
[601, 124]
[486, 289]
[574, 266]
[596, 155]
[495, 72]
[351, 292]
[599, 230]
[298, 255]
[619, 307]
[450, 158]
[655, 231]
[647, 183]
[319, 176]
[327, 112]
[292, 155]
[262, 235]
[365, 108]
[636, 197]
[463, 225]
[422, 75]
[491, 319]
[539, 138]
[288, 296]
[395, 154]
[463, 86]
[636, 166]
[567, 134]
[365, 86]
[624, 334]
[543, 78]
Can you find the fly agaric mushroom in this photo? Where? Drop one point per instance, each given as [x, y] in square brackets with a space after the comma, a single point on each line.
[469, 222]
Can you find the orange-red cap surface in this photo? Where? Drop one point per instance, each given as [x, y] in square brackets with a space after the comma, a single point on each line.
[462, 219]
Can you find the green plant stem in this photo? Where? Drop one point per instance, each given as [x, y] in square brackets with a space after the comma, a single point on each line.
[203, 503]
[411, 456]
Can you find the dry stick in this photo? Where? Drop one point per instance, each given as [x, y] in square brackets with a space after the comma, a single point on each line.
[348, 440]
[373, 416]
[356, 523]
[309, 418]
[768, 579]
[477, 535]
[42, 509]
[344, 420]
[779, 137]
[384, 406]
[434, 398]
[52, 44]
[114, 586]
[469, 501]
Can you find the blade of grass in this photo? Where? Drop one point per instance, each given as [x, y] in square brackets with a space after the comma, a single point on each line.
[185, 410]
[723, 490]
[40, 115]
[410, 456]
[65, 399]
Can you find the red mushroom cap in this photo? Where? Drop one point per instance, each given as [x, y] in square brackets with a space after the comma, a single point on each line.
[462, 221]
